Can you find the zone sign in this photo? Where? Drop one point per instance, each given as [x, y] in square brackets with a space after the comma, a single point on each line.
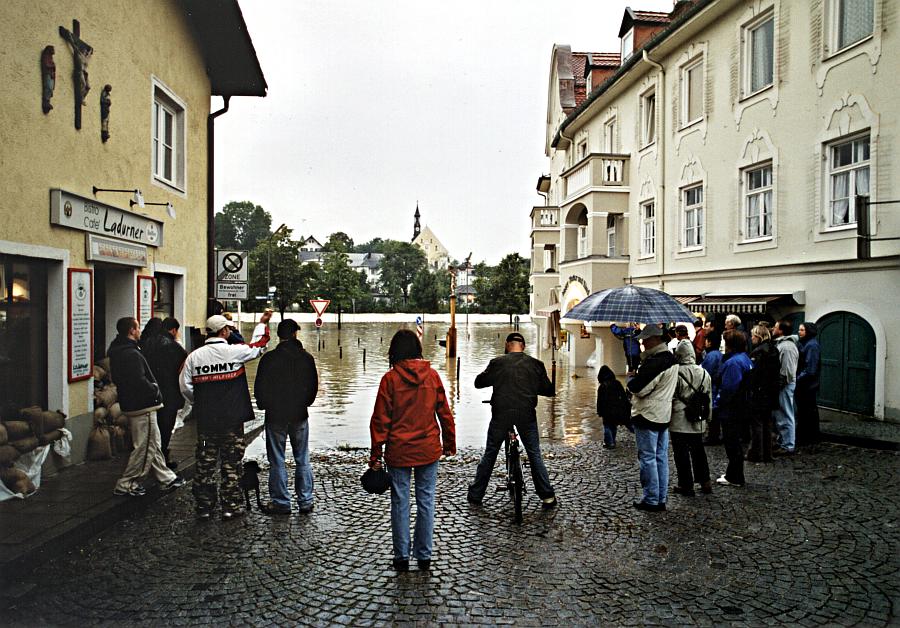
[232, 265]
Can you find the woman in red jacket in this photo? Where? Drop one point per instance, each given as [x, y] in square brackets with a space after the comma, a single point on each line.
[414, 425]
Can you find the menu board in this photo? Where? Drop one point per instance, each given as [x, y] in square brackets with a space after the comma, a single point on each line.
[81, 324]
[145, 294]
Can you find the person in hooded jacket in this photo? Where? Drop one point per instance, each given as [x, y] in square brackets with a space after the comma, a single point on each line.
[763, 389]
[712, 364]
[139, 398]
[732, 404]
[808, 385]
[412, 425]
[286, 385]
[165, 356]
[789, 356]
[612, 405]
[691, 464]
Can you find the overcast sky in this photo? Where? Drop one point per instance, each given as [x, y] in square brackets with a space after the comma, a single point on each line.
[375, 105]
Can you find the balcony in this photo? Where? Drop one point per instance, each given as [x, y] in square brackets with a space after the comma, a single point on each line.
[596, 171]
[545, 217]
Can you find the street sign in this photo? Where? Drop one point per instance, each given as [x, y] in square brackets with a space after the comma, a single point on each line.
[234, 290]
[420, 327]
[232, 265]
[319, 305]
[319, 322]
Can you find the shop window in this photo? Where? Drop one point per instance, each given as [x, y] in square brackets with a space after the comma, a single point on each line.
[23, 331]
[164, 301]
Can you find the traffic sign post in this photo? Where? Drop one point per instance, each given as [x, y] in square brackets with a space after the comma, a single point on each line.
[232, 290]
[319, 305]
[232, 275]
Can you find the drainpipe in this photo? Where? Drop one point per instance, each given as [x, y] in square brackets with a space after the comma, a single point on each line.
[211, 203]
[661, 169]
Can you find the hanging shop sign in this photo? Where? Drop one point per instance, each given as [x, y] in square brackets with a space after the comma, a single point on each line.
[80, 324]
[85, 214]
[145, 293]
[99, 249]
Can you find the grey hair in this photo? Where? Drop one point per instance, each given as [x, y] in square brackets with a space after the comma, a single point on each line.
[734, 319]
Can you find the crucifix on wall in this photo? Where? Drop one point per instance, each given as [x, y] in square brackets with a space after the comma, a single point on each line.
[81, 51]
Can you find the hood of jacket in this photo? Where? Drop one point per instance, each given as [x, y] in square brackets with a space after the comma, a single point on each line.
[605, 374]
[684, 353]
[413, 371]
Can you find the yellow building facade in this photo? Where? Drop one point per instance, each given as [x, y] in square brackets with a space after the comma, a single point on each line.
[73, 257]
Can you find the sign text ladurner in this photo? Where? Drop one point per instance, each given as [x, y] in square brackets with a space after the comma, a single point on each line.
[76, 212]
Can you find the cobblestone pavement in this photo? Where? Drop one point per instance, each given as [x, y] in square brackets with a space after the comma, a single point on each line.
[811, 540]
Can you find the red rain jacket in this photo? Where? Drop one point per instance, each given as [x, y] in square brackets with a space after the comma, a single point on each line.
[410, 403]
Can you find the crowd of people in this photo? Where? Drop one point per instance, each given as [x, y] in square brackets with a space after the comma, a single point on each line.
[755, 389]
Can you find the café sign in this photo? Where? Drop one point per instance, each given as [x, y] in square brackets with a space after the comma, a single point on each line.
[85, 214]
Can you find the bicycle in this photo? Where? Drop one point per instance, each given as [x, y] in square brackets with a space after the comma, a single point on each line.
[515, 480]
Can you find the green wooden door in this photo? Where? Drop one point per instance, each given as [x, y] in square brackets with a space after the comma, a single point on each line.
[848, 363]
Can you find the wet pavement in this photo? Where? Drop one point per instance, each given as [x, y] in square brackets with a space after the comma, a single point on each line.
[811, 540]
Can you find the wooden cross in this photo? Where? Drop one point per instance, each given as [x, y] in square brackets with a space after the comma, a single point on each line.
[81, 52]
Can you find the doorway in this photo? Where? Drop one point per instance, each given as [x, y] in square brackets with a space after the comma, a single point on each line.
[114, 297]
[847, 381]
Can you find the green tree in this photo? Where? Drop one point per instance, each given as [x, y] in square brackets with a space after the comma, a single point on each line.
[275, 262]
[509, 289]
[241, 224]
[399, 266]
[338, 241]
[425, 293]
[340, 283]
[375, 245]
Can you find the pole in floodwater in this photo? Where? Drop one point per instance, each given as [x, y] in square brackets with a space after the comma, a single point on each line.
[340, 352]
[364, 357]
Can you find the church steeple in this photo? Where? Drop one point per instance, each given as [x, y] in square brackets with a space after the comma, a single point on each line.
[417, 227]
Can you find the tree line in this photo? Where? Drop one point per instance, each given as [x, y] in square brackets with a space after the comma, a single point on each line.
[406, 284]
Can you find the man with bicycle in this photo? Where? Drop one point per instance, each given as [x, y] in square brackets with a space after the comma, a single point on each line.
[517, 379]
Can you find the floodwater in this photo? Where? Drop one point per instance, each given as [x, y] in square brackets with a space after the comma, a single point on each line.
[352, 360]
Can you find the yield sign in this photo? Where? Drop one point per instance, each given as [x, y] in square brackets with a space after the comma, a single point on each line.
[319, 305]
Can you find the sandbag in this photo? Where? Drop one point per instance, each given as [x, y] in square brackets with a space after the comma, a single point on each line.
[115, 411]
[17, 481]
[53, 420]
[107, 396]
[8, 455]
[49, 437]
[99, 447]
[104, 364]
[100, 415]
[4, 435]
[24, 445]
[121, 421]
[17, 430]
[99, 372]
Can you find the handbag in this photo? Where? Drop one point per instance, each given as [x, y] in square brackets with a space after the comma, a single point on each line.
[375, 481]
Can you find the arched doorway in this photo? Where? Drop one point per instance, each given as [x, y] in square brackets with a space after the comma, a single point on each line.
[848, 363]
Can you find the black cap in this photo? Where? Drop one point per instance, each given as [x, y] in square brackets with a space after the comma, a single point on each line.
[287, 328]
[515, 337]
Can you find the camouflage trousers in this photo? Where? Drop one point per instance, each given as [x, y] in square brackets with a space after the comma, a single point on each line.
[227, 450]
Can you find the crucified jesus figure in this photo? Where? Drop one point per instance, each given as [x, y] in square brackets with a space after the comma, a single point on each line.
[81, 51]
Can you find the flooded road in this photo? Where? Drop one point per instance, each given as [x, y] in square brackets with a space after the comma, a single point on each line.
[348, 384]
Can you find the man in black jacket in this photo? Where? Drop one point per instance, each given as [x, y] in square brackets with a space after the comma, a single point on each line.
[286, 385]
[139, 398]
[517, 379]
[165, 357]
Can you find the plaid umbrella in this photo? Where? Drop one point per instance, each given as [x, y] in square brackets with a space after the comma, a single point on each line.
[630, 303]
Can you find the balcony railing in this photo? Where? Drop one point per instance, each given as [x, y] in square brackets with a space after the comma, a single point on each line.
[545, 217]
[596, 170]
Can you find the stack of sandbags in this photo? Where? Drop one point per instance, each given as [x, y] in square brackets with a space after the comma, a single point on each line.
[23, 431]
[110, 434]
[45, 424]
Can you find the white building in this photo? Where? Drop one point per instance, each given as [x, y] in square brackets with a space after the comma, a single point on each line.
[721, 162]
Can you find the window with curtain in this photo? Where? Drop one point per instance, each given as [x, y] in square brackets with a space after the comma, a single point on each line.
[648, 229]
[855, 20]
[760, 54]
[583, 250]
[758, 203]
[168, 138]
[848, 163]
[692, 92]
[648, 118]
[692, 216]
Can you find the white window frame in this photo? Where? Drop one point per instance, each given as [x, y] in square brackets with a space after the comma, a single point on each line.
[852, 170]
[165, 102]
[693, 219]
[583, 242]
[609, 135]
[766, 194]
[747, 53]
[582, 150]
[833, 25]
[648, 229]
[627, 44]
[686, 69]
[648, 117]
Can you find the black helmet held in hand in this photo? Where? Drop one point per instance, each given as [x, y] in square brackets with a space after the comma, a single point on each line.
[375, 481]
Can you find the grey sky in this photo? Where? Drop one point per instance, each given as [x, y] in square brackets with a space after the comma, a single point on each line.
[374, 105]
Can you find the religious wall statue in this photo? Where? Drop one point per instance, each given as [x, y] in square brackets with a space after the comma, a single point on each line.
[105, 104]
[82, 52]
[48, 77]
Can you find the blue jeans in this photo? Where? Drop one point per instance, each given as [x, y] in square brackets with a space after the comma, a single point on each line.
[426, 480]
[526, 424]
[276, 437]
[653, 456]
[609, 434]
[784, 417]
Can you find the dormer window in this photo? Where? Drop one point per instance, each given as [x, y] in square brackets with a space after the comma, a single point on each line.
[627, 44]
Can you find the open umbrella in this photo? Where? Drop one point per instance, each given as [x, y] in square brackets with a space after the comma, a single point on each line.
[630, 303]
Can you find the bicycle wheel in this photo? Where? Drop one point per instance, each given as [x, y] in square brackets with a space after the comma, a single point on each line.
[516, 480]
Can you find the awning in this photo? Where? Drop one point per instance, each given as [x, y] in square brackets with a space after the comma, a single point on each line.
[547, 311]
[734, 304]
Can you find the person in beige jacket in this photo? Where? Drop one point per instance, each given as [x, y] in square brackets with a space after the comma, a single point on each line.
[687, 436]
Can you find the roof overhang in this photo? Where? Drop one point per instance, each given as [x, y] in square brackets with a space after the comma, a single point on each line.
[231, 61]
[543, 184]
[737, 304]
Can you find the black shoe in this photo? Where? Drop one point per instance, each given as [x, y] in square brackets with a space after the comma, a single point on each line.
[400, 564]
[228, 515]
[473, 500]
[203, 514]
[642, 505]
[274, 509]
[550, 503]
[686, 492]
[305, 510]
[172, 465]
[424, 564]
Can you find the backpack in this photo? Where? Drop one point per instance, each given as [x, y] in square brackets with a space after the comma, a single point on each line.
[697, 406]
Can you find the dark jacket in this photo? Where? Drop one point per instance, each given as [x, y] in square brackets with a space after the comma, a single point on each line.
[517, 379]
[764, 384]
[286, 383]
[137, 388]
[810, 357]
[612, 403]
[733, 389]
[628, 336]
[165, 357]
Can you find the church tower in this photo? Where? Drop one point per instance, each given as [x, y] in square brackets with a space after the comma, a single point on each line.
[417, 227]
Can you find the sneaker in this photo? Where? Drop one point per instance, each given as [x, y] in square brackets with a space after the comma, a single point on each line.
[274, 509]
[178, 482]
[424, 564]
[726, 482]
[203, 514]
[305, 510]
[400, 564]
[134, 491]
[549, 503]
[642, 505]
[228, 515]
